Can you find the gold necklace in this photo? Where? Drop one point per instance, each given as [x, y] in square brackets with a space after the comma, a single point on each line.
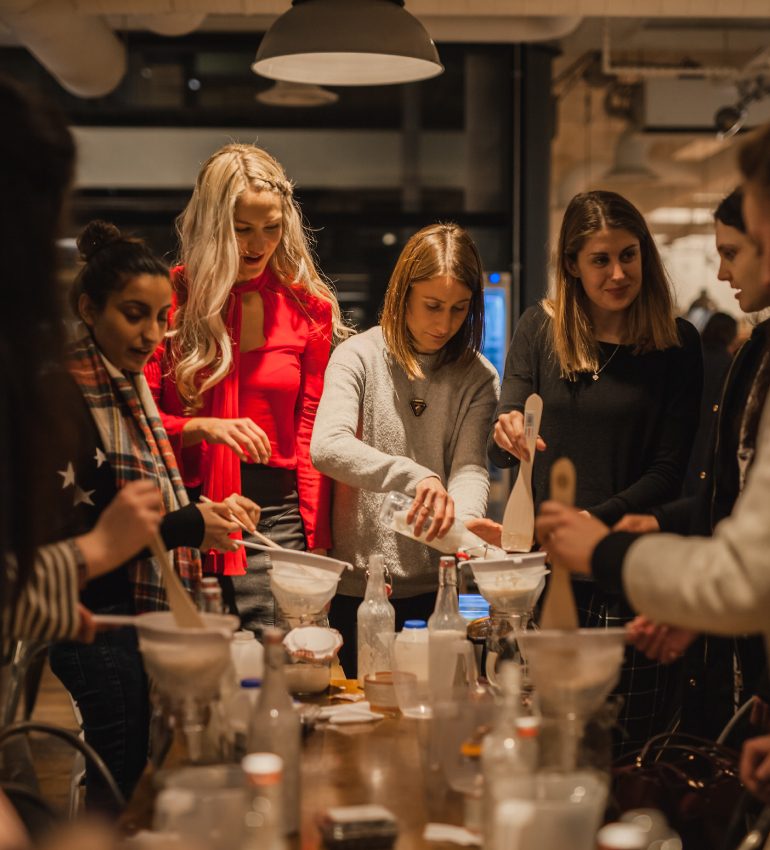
[597, 372]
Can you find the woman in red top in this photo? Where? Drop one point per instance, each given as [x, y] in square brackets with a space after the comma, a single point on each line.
[239, 381]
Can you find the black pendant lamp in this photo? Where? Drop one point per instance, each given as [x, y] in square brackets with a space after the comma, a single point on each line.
[347, 43]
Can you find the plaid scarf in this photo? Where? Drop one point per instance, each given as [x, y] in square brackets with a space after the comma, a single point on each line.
[137, 447]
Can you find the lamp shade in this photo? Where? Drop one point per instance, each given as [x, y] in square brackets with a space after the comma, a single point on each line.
[347, 43]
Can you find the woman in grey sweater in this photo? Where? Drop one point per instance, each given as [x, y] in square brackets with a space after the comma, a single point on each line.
[406, 406]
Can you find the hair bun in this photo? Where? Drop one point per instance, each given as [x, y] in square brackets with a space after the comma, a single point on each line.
[95, 236]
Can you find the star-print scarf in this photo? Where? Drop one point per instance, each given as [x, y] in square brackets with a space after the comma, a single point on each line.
[137, 447]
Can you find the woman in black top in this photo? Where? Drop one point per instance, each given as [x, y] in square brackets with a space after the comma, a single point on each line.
[620, 379]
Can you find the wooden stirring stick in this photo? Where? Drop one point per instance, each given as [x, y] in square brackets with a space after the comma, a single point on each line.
[185, 613]
[519, 517]
[559, 611]
[256, 534]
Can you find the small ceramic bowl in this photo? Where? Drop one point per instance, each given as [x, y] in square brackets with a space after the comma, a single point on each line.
[380, 692]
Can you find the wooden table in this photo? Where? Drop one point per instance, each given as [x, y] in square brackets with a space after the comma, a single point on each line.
[384, 762]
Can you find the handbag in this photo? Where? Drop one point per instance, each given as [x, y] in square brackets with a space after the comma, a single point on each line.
[693, 781]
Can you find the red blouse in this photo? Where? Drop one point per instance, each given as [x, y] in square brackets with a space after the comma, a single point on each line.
[280, 385]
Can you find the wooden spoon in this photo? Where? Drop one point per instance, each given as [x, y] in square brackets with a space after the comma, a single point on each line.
[185, 613]
[519, 517]
[559, 610]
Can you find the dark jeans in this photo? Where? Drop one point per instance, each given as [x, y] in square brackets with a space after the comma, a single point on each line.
[275, 491]
[343, 613]
[109, 685]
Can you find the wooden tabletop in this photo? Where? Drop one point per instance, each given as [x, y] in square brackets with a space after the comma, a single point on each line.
[385, 762]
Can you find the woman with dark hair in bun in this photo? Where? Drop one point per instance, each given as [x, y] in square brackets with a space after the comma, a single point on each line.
[123, 296]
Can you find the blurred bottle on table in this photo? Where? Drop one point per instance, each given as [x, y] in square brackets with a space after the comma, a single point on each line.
[509, 753]
[264, 818]
[376, 621]
[210, 596]
[450, 654]
[240, 708]
[248, 655]
[275, 726]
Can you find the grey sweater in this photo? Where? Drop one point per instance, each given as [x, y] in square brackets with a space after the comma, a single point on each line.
[368, 440]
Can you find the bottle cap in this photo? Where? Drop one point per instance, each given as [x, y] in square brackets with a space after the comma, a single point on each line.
[527, 727]
[415, 624]
[262, 768]
[251, 683]
[621, 836]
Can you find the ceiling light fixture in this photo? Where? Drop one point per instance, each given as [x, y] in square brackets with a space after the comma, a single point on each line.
[282, 93]
[347, 43]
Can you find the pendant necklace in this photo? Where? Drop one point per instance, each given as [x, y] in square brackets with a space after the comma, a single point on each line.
[419, 403]
[597, 372]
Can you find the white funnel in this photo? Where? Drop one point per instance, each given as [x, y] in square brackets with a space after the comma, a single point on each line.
[185, 662]
[303, 583]
[511, 585]
[573, 671]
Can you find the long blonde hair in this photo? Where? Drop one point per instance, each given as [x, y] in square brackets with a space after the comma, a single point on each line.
[209, 254]
[434, 251]
[650, 324]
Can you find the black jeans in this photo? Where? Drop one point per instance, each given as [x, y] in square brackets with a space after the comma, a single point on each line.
[275, 491]
[107, 681]
[343, 614]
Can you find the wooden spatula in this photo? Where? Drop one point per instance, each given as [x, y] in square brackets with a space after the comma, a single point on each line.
[185, 613]
[559, 611]
[519, 516]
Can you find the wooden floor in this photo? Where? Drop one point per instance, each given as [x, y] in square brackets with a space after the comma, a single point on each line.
[53, 758]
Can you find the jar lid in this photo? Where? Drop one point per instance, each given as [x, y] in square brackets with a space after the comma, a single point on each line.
[621, 836]
[415, 624]
[243, 636]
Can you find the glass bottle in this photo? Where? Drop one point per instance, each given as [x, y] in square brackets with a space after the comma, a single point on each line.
[448, 647]
[264, 819]
[393, 513]
[509, 752]
[376, 621]
[211, 601]
[275, 726]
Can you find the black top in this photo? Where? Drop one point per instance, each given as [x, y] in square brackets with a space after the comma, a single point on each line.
[93, 489]
[628, 433]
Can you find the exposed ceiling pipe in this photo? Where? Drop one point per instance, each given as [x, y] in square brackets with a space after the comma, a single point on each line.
[499, 28]
[640, 72]
[81, 51]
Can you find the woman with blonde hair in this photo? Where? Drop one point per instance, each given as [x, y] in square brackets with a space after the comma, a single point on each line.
[406, 406]
[240, 379]
[620, 379]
